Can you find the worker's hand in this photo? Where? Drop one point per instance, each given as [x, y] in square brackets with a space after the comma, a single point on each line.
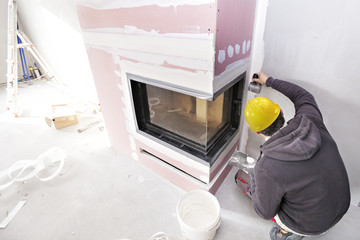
[262, 78]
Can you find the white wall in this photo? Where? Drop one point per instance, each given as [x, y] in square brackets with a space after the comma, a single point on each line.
[3, 40]
[316, 44]
[54, 29]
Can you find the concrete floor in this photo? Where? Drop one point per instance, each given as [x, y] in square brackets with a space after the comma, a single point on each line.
[101, 194]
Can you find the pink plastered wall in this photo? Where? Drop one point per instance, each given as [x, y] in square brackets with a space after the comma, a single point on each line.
[160, 24]
[107, 85]
[235, 21]
[172, 19]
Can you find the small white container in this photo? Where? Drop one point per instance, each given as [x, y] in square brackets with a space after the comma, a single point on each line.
[198, 213]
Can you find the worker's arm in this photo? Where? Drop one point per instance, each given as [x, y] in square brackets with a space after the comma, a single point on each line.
[266, 194]
[304, 101]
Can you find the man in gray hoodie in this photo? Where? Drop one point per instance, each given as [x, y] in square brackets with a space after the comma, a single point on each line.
[299, 179]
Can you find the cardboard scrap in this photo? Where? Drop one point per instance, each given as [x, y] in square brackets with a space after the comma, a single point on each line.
[62, 116]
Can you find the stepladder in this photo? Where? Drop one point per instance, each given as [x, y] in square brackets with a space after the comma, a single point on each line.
[12, 60]
[18, 41]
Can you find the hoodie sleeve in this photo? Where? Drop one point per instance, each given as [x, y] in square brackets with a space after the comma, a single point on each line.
[304, 101]
[266, 194]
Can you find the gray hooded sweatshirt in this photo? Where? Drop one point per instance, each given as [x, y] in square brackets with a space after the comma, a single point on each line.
[301, 175]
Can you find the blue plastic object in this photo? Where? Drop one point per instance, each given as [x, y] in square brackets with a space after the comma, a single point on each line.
[23, 60]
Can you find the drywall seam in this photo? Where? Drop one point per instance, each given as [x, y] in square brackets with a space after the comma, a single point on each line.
[202, 49]
[192, 65]
[136, 31]
[232, 71]
[193, 80]
[111, 4]
[258, 50]
[257, 57]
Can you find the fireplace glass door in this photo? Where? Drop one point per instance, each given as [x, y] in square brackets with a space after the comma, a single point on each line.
[198, 126]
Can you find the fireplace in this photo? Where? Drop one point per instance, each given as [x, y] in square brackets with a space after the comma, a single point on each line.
[200, 127]
[170, 78]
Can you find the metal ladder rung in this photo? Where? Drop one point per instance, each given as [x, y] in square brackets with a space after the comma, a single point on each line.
[22, 45]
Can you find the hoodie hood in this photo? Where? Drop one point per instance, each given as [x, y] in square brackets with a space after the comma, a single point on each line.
[299, 140]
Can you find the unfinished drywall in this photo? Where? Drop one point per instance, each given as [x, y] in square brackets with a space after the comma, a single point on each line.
[176, 43]
[315, 44]
[3, 40]
[54, 29]
[119, 42]
[234, 28]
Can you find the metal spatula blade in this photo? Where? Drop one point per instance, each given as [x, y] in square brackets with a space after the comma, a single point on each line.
[242, 161]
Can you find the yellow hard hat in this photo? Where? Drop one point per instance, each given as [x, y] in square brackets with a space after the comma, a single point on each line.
[260, 113]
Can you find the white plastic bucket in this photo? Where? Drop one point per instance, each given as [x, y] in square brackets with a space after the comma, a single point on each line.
[198, 213]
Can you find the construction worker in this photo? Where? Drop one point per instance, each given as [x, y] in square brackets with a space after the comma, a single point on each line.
[299, 180]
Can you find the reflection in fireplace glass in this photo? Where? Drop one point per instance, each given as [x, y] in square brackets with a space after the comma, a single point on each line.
[192, 118]
[200, 127]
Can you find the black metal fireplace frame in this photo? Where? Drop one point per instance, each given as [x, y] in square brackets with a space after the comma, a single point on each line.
[220, 140]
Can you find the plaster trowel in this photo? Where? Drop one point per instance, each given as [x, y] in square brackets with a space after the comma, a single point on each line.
[242, 161]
